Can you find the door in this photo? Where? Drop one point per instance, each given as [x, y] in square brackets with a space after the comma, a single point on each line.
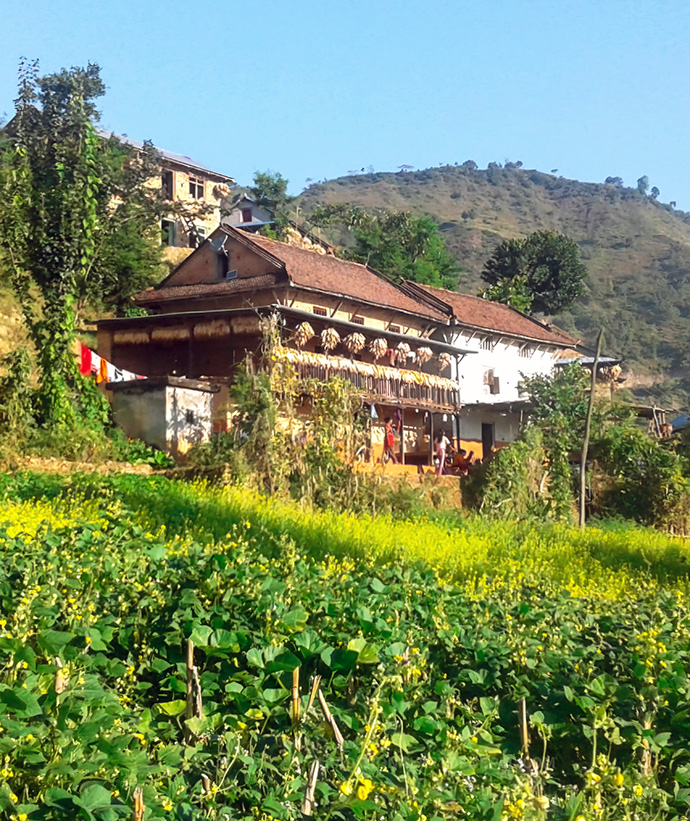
[487, 438]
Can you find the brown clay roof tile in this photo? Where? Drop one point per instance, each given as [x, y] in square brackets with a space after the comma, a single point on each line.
[483, 314]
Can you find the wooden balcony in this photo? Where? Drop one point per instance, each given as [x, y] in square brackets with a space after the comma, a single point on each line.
[379, 383]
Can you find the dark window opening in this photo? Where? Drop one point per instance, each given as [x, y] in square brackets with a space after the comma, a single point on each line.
[358, 320]
[168, 232]
[223, 266]
[196, 188]
[320, 311]
[196, 236]
[394, 329]
[486, 343]
[246, 215]
[167, 184]
[190, 417]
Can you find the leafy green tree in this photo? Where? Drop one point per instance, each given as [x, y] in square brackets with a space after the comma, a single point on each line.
[643, 184]
[72, 206]
[654, 193]
[397, 244]
[542, 272]
[270, 191]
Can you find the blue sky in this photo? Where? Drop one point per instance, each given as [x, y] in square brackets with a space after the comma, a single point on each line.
[314, 89]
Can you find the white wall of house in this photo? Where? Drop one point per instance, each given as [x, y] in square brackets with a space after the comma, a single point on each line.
[500, 362]
[239, 213]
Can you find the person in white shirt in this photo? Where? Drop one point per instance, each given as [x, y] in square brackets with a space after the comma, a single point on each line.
[442, 442]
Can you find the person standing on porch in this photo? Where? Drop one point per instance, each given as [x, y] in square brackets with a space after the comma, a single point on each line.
[389, 441]
[442, 442]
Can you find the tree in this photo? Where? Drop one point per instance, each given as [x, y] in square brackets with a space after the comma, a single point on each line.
[397, 244]
[542, 272]
[654, 193]
[617, 181]
[71, 204]
[270, 191]
[643, 184]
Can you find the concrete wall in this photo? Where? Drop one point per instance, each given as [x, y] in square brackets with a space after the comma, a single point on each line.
[141, 415]
[505, 360]
[506, 427]
[189, 416]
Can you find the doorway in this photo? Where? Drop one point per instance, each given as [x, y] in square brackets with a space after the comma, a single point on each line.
[488, 439]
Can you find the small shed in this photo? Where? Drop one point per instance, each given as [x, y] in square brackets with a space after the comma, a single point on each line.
[170, 413]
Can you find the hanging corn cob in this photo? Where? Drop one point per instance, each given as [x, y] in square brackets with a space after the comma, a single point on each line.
[424, 354]
[444, 360]
[303, 334]
[401, 352]
[329, 338]
[354, 342]
[378, 347]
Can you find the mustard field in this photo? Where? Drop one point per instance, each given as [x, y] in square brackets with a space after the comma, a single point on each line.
[178, 651]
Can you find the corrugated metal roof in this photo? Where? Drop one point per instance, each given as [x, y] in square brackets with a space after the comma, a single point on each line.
[181, 159]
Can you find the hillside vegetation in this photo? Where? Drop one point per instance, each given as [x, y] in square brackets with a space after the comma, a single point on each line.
[636, 249]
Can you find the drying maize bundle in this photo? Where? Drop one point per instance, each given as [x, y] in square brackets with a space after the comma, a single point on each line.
[329, 339]
[303, 334]
[354, 342]
[378, 347]
[402, 351]
[424, 354]
[444, 360]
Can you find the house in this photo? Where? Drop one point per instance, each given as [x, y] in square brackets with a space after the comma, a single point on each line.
[246, 213]
[508, 346]
[185, 181]
[334, 318]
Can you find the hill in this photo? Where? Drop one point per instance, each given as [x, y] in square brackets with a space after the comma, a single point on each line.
[636, 249]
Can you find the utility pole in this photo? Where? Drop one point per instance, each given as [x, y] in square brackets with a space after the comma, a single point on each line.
[588, 424]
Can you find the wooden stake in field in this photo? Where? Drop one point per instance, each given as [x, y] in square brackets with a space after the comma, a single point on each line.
[138, 811]
[308, 803]
[330, 719]
[588, 424]
[189, 712]
[524, 728]
[314, 691]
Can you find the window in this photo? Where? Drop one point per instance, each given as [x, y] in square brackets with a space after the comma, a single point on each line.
[168, 232]
[394, 329]
[358, 320]
[319, 311]
[196, 236]
[167, 184]
[486, 344]
[525, 352]
[246, 215]
[222, 265]
[196, 188]
[190, 417]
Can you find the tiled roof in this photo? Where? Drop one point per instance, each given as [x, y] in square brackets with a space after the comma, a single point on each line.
[169, 293]
[329, 274]
[482, 314]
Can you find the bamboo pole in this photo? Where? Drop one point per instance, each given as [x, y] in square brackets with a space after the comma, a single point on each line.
[138, 811]
[330, 719]
[309, 799]
[189, 711]
[314, 691]
[588, 424]
[524, 728]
